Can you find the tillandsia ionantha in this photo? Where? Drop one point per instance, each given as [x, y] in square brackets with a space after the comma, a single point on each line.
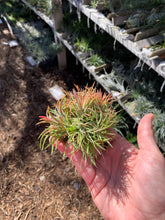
[82, 118]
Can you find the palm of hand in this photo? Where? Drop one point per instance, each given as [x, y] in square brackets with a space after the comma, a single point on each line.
[128, 183]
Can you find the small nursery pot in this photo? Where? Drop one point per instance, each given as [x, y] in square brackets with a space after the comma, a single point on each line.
[99, 68]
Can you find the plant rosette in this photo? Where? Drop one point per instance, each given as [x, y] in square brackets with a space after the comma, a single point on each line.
[81, 119]
[95, 60]
[95, 63]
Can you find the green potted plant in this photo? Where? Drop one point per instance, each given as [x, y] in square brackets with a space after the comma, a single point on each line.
[82, 45]
[96, 62]
[94, 3]
[83, 119]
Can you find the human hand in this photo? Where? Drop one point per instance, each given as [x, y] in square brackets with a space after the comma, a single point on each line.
[129, 183]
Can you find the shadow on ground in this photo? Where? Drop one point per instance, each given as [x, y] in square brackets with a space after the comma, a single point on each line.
[34, 184]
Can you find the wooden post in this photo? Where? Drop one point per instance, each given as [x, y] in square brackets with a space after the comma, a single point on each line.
[58, 19]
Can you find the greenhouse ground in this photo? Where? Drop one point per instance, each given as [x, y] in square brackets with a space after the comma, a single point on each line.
[33, 183]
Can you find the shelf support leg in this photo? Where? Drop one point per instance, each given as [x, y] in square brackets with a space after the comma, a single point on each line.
[58, 20]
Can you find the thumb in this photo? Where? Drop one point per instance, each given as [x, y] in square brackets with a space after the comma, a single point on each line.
[145, 134]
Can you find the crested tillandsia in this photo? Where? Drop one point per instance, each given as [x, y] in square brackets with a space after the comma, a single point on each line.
[82, 118]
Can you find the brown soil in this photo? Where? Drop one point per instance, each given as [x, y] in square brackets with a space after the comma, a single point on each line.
[33, 183]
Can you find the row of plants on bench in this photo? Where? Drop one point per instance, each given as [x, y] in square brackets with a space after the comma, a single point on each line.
[141, 92]
[87, 40]
[137, 23]
[84, 40]
[148, 92]
[141, 19]
[114, 5]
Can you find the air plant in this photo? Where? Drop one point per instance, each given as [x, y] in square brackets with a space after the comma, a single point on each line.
[159, 126]
[98, 4]
[83, 119]
[82, 45]
[94, 3]
[40, 45]
[144, 106]
[113, 81]
[95, 60]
